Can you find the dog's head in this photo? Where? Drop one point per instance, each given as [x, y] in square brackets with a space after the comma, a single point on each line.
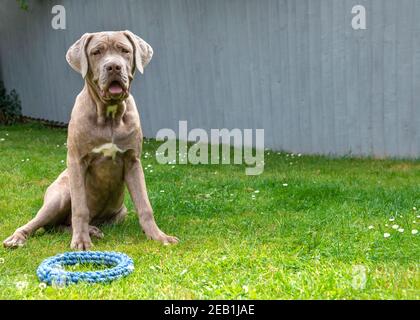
[108, 60]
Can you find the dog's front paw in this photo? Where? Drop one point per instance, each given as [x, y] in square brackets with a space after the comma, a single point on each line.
[81, 242]
[16, 240]
[161, 237]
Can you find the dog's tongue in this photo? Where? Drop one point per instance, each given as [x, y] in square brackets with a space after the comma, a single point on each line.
[115, 88]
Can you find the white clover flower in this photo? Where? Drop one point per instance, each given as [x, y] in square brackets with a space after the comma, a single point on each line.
[391, 219]
[285, 184]
[370, 227]
[257, 191]
[401, 230]
[20, 285]
[395, 226]
[245, 288]
[414, 231]
[2, 139]
[414, 208]
[62, 161]
[42, 285]
[162, 191]
[386, 235]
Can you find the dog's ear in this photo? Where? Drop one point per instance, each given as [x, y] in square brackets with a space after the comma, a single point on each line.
[77, 57]
[143, 52]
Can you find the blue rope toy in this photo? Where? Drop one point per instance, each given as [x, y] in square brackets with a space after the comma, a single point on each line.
[51, 270]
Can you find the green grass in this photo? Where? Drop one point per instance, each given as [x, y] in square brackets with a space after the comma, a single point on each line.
[305, 240]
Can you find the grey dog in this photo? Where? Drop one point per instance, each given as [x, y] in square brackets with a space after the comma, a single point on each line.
[104, 145]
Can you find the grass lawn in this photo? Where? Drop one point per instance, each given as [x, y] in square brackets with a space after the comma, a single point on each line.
[244, 237]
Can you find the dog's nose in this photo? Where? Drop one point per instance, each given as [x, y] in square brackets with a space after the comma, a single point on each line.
[113, 67]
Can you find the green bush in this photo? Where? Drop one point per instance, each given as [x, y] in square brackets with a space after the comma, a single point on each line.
[10, 106]
[23, 4]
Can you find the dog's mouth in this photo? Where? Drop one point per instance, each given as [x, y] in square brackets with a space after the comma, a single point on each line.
[114, 91]
[115, 88]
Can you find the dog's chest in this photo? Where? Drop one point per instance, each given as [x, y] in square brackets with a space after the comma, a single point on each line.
[112, 141]
[108, 150]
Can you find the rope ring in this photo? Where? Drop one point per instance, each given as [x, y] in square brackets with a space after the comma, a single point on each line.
[52, 272]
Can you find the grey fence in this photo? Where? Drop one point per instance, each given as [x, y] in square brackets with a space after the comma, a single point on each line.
[293, 67]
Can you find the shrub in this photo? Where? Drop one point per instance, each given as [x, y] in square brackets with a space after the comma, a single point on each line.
[23, 4]
[10, 106]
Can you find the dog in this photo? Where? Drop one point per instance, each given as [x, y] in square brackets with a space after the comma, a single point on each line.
[104, 146]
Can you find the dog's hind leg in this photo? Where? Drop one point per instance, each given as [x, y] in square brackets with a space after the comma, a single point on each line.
[55, 210]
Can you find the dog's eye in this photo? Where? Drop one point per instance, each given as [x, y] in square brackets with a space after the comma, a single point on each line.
[96, 52]
[125, 50]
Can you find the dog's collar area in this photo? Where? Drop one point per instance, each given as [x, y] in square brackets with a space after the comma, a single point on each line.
[111, 110]
[105, 109]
